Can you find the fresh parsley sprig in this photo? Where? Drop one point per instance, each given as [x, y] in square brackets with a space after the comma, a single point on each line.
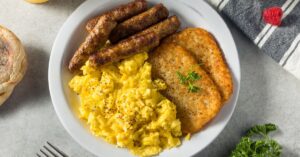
[261, 146]
[193, 76]
[181, 77]
[189, 80]
[261, 130]
[192, 88]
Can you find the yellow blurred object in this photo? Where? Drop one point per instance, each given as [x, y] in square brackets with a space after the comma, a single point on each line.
[188, 137]
[36, 1]
[122, 104]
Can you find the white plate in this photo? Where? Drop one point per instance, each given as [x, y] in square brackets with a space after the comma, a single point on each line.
[191, 13]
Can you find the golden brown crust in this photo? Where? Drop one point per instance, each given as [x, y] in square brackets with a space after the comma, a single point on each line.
[206, 50]
[13, 62]
[120, 13]
[194, 110]
[94, 41]
[139, 22]
[125, 48]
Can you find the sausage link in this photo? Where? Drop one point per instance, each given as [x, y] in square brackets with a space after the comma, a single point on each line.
[120, 13]
[139, 22]
[164, 28]
[95, 40]
[125, 48]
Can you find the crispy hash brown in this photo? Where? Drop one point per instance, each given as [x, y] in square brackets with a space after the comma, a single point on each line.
[193, 109]
[204, 47]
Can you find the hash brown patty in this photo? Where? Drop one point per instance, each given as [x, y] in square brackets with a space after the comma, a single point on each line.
[208, 54]
[193, 109]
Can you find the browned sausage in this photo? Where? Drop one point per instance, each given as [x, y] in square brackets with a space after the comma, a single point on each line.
[164, 28]
[120, 13]
[139, 22]
[96, 39]
[144, 40]
[125, 48]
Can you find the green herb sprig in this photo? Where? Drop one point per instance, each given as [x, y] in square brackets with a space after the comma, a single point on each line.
[189, 80]
[257, 143]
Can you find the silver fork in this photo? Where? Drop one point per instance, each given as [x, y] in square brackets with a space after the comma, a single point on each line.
[51, 151]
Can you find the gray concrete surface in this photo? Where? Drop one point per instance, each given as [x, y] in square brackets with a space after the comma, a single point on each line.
[27, 119]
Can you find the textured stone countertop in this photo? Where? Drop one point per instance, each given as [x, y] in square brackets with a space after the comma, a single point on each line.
[28, 120]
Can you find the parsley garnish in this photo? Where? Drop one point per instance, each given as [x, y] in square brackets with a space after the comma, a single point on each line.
[193, 88]
[181, 78]
[193, 76]
[188, 80]
[260, 146]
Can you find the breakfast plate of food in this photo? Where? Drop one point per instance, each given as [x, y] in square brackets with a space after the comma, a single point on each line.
[144, 78]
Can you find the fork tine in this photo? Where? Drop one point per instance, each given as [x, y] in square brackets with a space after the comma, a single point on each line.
[38, 155]
[44, 153]
[50, 151]
[57, 150]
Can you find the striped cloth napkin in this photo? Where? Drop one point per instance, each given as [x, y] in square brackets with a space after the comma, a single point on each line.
[282, 43]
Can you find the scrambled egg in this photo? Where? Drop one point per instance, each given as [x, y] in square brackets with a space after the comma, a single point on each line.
[122, 104]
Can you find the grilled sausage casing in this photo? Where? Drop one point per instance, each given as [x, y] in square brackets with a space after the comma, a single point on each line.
[164, 28]
[125, 48]
[139, 22]
[120, 13]
[142, 41]
[96, 39]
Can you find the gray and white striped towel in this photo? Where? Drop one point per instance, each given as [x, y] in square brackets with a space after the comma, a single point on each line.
[282, 43]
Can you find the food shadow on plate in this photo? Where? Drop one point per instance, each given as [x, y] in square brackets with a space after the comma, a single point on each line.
[34, 85]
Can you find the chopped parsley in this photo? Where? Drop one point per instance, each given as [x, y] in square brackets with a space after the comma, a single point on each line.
[181, 77]
[193, 88]
[189, 80]
[193, 76]
[257, 143]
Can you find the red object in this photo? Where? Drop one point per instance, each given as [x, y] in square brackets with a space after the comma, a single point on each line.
[273, 15]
